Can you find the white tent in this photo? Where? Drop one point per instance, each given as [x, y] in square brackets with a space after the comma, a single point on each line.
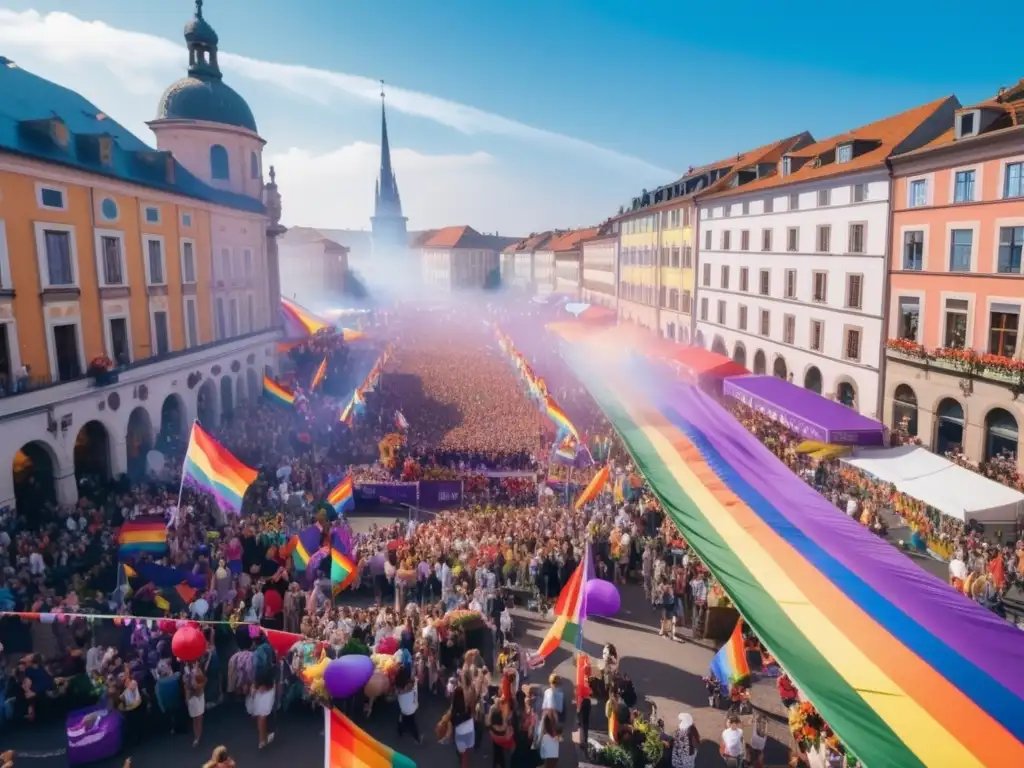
[939, 483]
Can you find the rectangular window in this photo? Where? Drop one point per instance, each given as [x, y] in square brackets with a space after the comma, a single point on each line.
[794, 201]
[769, 204]
[1003, 325]
[707, 276]
[225, 264]
[66, 352]
[152, 214]
[675, 256]
[961, 244]
[854, 291]
[247, 262]
[721, 312]
[790, 284]
[918, 193]
[824, 197]
[191, 324]
[824, 238]
[725, 277]
[742, 319]
[746, 208]
[233, 317]
[120, 349]
[851, 345]
[221, 324]
[744, 279]
[1013, 181]
[844, 153]
[727, 210]
[687, 262]
[817, 335]
[186, 220]
[161, 336]
[963, 189]
[788, 329]
[856, 244]
[745, 240]
[52, 198]
[1011, 241]
[664, 256]
[663, 296]
[909, 320]
[155, 261]
[59, 266]
[766, 322]
[766, 239]
[860, 193]
[792, 239]
[765, 282]
[913, 250]
[188, 263]
[112, 260]
[820, 280]
[726, 240]
[704, 309]
[687, 303]
[707, 240]
[955, 335]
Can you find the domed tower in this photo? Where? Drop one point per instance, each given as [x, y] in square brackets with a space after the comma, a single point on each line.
[205, 124]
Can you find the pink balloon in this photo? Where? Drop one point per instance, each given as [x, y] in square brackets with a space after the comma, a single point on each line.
[602, 598]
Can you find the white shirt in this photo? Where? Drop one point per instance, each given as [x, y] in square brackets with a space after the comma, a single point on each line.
[732, 740]
[957, 569]
[548, 747]
[36, 565]
[408, 701]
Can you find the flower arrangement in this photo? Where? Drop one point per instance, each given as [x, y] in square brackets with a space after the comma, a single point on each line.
[461, 621]
[906, 346]
[806, 726]
[651, 743]
[100, 364]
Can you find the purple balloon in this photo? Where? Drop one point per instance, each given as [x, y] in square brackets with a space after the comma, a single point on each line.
[344, 676]
[602, 598]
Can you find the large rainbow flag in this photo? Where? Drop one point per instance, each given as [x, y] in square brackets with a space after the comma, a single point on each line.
[141, 537]
[348, 746]
[570, 613]
[299, 321]
[905, 670]
[209, 466]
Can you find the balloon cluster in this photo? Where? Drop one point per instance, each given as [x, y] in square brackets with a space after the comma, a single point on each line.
[340, 678]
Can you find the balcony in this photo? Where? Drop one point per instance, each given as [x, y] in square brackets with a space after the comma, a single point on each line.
[960, 362]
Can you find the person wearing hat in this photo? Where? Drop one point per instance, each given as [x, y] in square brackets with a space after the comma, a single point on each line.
[685, 743]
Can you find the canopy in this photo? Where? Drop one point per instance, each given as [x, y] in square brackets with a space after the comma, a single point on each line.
[939, 483]
[906, 670]
[805, 412]
[591, 313]
[697, 363]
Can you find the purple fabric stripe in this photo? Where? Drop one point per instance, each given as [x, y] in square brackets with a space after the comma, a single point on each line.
[978, 635]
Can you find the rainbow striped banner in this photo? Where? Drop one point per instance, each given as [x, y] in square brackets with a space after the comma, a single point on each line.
[209, 466]
[346, 745]
[142, 536]
[276, 392]
[342, 496]
[905, 670]
[730, 663]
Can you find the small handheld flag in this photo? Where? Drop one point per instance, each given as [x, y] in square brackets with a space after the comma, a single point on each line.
[342, 496]
[276, 393]
[319, 376]
[209, 466]
[730, 663]
[400, 421]
[594, 487]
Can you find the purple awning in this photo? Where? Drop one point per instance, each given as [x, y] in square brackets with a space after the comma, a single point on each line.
[806, 413]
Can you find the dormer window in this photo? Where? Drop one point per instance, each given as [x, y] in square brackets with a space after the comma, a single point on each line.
[967, 124]
[106, 150]
[787, 166]
[59, 133]
[844, 153]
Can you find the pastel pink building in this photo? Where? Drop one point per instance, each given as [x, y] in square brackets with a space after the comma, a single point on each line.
[956, 290]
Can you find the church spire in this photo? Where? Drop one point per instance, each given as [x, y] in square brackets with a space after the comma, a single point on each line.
[388, 203]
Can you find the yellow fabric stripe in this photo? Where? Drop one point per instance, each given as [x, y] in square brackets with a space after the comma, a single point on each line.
[931, 742]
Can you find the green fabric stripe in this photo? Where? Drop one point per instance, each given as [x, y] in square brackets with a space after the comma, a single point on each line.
[857, 724]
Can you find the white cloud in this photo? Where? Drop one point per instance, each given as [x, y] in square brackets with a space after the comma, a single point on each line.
[124, 73]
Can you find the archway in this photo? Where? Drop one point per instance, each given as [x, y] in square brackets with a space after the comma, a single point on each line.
[172, 421]
[760, 364]
[227, 398]
[684, 335]
[846, 394]
[812, 379]
[949, 426]
[92, 454]
[739, 354]
[254, 386]
[206, 404]
[779, 368]
[138, 442]
[698, 338]
[904, 409]
[1001, 434]
[718, 346]
[241, 398]
[35, 484]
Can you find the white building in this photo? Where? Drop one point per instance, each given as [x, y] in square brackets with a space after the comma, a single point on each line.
[568, 253]
[599, 260]
[517, 260]
[792, 262]
[313, 267]
[460, 257]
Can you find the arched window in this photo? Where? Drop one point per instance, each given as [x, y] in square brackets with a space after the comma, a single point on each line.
[254, 165]
[760, 364]
[846, 394]
[812, 379]
[904, 409]
[739, 354]
[1001, 434]
[779, 369]
[219, 168]
[949, 429]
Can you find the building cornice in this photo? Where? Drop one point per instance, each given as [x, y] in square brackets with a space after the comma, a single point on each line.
[988, 146]
[205, 125]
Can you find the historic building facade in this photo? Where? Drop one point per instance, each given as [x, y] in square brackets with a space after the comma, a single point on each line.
[161, 260]
[600, 263]
[568, 251]
[458, 258]
[955, 297]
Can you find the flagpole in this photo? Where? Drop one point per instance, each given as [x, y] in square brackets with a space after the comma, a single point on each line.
[181, 485]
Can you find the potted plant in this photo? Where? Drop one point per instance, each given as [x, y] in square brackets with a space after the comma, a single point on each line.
[101, 369]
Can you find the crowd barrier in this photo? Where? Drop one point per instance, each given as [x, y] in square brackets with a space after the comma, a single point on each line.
[427, 494]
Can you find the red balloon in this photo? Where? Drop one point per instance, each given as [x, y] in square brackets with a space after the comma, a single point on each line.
[188, 644]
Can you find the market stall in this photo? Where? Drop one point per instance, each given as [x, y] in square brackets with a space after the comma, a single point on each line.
[804, 412]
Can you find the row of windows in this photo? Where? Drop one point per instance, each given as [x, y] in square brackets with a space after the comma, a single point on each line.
[852, 335]
[55, 198]
[647, 256]
[961, 250]
[220, 165]
[1003, 324]
[856, 239]
[965, 186]
[673, 219]
[823, 198]
[819, 281]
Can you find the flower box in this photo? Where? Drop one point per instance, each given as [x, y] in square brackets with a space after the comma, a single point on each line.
[105, 378]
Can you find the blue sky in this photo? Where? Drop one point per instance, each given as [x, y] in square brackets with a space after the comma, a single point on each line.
[658, 87]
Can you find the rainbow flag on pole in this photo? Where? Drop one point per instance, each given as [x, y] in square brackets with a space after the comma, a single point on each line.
[276, 392]
[304, 545]
[343, 570]
[210, 467]
[342, 496]
[594, 487]
[557, 415]
[142, 536]
[348, 746]
[730, 663]
[319, 376]
[570, 613]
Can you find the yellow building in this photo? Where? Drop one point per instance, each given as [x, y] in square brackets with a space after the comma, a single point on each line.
[161, 261]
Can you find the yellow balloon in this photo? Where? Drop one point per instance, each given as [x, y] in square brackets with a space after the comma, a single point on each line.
[316, 671]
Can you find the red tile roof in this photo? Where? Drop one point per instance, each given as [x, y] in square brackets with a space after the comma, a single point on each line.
[878, 140]
[570, 241]
[531, 243]
[1008, 105]
[467, 237]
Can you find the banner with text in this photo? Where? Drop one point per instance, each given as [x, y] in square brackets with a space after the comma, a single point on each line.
[393, 493]
[438, 494]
